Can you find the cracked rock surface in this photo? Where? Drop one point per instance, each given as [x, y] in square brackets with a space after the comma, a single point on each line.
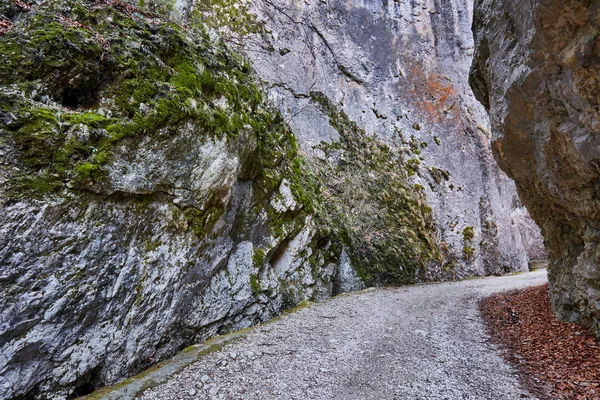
[137, 218]
[420, 342]
[537, 69]
[152, 196]
[400, 69]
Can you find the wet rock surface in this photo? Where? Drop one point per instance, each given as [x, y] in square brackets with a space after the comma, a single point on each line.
[421, 342]
[537, 70]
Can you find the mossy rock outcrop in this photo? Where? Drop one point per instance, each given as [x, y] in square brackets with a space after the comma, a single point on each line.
[142, 169]
[151, 198]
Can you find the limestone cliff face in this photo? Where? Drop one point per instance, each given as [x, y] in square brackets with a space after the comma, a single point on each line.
[151, 196]
[537, 69]
[399, 69]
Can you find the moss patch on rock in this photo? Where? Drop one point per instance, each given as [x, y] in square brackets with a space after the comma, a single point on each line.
[371, 206]
[468, 236]
[78, 77]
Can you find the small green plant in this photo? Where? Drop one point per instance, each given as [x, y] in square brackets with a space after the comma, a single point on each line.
[468, 233]
[438, 174]
[255, 284]
[468, 236]
[468, 252]
[231, 18]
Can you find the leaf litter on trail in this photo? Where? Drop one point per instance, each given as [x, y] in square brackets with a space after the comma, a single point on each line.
[558, 360]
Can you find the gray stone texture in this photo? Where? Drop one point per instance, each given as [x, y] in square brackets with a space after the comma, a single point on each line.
[400, 70]
[97, 287]
[537, 68]
[100, 283]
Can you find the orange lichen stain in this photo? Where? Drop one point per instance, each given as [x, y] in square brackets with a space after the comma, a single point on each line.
[434, 95]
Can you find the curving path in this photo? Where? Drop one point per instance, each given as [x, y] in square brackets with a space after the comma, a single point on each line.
[418, 342]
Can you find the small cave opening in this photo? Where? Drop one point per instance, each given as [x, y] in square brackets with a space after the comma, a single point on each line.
[75, 99]
[87, 383]
[82, 390]
[278, 252]
[31, 395]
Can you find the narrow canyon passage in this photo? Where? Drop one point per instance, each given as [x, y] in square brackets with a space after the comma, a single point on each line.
[175, 169]
[419, 342]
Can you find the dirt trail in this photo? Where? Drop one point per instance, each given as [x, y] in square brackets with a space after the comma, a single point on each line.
[418, 342]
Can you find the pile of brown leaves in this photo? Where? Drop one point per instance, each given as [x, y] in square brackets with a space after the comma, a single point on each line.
[559, 360]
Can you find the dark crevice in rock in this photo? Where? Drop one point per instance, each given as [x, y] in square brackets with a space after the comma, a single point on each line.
[87, 383]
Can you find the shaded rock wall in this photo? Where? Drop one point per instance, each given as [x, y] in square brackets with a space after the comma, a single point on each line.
[537, 70]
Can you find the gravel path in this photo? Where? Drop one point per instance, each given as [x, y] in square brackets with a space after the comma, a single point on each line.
[418, 342]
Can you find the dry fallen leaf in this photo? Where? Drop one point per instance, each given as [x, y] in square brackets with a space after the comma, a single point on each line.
[558, 360]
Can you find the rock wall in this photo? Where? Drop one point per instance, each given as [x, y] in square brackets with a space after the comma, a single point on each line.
[537, 70]
[151, 197]
[399, 69]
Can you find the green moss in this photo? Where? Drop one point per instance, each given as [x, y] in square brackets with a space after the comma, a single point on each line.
[258, 258]
[438, 175]
[255, 284]
[90, 119]
[41, 183]
[148, 75]
[151, 246]
[371, 206]
[468, 252]
[468, 233]
[139, 288]
[201, 222]
[412, 166]
[277, 158]
[468, 236]
[86, 170]
[231, 17]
